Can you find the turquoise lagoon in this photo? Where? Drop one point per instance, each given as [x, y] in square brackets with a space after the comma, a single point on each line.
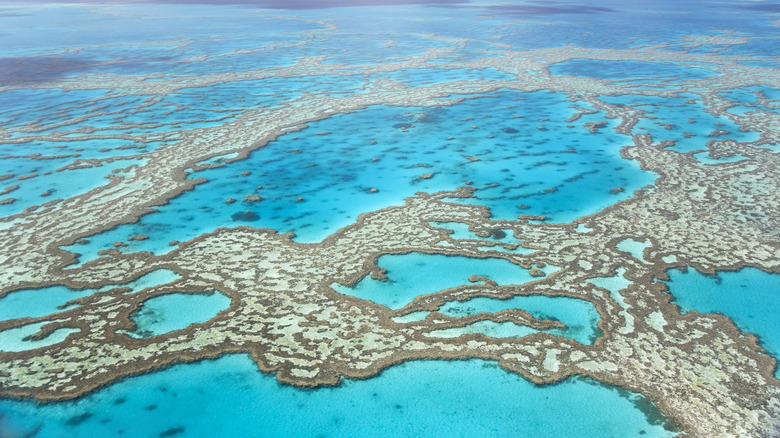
[746, 296]
[230, 397]
[414, 274]
[175, 311]
[580, 316]
[16, 339]
[57, 184]
[753, 98]
[676, 116]
[313, 185]
[498, 240]
[33, 303]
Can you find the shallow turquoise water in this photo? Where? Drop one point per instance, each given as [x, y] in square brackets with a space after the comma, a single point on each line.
[750, 96]
[32, 303]
[681, 117]
[414, 274]
[705, 158]
[580, 316]
[634, 247]
[461, 231]
[614, 284]
[491, 329]
[15, 339]
[746, 296]
[426, 398]
[175, 311]
[58, 185]
[499, 240]
[559, 172]
[46, 111]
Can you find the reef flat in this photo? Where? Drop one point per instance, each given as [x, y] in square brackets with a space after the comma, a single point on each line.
[700, 370]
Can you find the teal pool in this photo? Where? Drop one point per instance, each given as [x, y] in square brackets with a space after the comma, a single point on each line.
[746, 296]
[414, 274]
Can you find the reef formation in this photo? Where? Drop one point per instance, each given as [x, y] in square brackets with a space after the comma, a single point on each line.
[705, 374]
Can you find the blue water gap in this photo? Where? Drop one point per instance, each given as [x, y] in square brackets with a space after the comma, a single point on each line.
[498, 240]
[32, 303]
[175, 311]
[746, 296]
[580, 316]
[16, 339]
[413, 274]
[229, 397]
[517, 149]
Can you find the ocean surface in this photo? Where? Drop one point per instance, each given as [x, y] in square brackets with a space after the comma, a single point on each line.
[522, 152]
